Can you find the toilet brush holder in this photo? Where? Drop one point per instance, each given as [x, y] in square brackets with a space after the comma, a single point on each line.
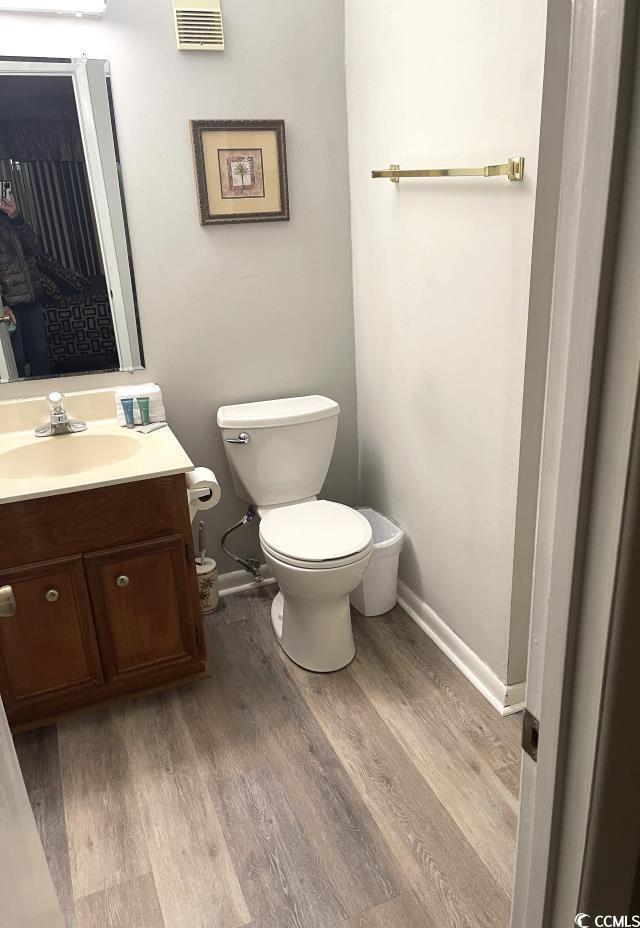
[208, 584]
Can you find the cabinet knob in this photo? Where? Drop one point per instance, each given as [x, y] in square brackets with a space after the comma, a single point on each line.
[52, 596]
[122, 581]
[7, 601]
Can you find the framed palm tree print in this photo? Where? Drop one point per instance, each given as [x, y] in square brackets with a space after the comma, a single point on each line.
[241, 170]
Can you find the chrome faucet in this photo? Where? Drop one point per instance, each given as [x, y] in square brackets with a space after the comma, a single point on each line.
[59, 422]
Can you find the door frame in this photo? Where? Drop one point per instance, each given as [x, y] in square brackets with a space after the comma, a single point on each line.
[28, 896]
[592, 377]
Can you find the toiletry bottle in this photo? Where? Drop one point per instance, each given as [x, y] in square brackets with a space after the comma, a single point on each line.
[127, 407]
[143, 406]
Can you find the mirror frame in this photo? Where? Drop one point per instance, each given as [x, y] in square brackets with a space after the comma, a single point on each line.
[89, 76]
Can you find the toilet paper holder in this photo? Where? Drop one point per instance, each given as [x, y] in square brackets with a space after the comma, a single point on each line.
[203, 490]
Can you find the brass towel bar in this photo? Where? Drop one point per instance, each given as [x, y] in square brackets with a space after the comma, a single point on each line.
[513, 169]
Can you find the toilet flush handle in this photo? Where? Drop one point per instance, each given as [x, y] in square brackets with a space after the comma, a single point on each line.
[242, 439]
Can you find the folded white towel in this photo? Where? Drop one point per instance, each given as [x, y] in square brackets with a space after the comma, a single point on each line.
[156, 405]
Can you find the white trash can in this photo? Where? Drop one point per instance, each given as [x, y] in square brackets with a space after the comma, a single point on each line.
[378, 591]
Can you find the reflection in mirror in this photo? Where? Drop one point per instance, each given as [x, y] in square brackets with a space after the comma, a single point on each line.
[56, 295]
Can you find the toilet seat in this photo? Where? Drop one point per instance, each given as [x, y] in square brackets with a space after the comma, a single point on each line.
[317, 535]
[316, 565]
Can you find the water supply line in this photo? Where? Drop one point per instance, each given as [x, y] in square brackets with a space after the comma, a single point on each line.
[250, 564]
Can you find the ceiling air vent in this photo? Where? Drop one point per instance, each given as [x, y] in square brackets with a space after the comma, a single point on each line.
[199, 25]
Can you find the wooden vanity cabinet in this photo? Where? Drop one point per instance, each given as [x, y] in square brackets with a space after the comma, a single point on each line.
[106, 597]
[49, 646]
[138, 595]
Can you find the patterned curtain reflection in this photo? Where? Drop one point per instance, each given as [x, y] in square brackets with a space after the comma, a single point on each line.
[54, 198]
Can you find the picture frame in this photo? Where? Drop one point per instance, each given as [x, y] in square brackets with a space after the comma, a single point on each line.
[241, 170]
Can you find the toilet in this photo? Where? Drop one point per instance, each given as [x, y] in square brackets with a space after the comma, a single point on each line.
[318, 551]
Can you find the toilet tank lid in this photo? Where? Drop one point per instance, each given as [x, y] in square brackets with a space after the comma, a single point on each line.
[270, 413]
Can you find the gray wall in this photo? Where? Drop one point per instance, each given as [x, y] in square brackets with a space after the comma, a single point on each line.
[441, 289]
[231, 313]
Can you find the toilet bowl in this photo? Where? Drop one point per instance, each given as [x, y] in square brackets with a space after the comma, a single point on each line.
[318, 552]
[279, 453]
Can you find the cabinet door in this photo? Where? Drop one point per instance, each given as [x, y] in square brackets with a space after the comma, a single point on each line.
[48, 650]
[143, 608]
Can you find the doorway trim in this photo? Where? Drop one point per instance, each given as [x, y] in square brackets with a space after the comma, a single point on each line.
[591, 384]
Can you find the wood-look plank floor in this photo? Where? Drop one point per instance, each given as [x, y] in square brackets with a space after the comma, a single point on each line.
[382, 796]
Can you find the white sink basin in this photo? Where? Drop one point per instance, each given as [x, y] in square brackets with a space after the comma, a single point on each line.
[62, 455]
[105, 455]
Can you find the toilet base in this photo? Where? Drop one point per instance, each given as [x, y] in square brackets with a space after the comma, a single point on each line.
[277, 607]
[315, 635]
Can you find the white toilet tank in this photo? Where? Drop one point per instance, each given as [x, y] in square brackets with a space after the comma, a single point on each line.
[287, 454]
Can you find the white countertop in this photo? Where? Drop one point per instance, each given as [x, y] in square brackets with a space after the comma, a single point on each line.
[157, 454]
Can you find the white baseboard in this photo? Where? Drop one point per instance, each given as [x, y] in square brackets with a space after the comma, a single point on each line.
[506, 699]
[515, 697]
[235, 581]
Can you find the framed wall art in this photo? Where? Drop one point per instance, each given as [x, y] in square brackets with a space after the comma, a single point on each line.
[241, 170]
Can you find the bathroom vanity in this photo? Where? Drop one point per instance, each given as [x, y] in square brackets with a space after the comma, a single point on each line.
[100, 566]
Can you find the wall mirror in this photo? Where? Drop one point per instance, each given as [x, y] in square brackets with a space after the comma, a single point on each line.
[67, 292]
